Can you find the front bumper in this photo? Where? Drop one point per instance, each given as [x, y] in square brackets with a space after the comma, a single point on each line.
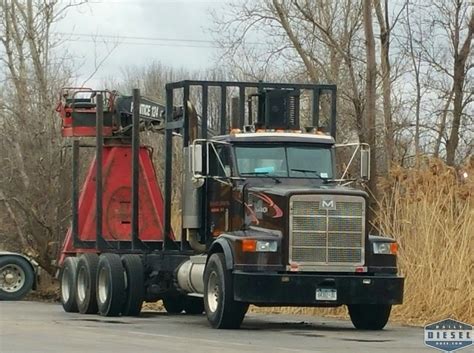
[298, 289]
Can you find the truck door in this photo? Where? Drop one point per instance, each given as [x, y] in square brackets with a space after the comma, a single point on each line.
[218, 189]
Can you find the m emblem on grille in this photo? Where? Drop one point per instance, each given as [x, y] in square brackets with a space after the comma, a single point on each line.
[328, 205]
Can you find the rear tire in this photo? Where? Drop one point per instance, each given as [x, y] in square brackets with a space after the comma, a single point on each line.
[110, 285]
[369, 316]
[194, 305]
[222, 311]
[174, 304]
[16, 277]
[134, 286]
[67, 280]
[86, 283]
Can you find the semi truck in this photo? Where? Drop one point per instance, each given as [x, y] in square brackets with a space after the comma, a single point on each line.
[265, 220]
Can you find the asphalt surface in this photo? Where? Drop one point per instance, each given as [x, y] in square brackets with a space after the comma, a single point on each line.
[44, 327]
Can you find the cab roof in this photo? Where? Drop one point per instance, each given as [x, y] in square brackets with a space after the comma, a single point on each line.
[277, 137]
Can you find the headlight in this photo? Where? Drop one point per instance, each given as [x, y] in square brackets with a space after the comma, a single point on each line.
[266, 245]
[385, 248]
[252, 245]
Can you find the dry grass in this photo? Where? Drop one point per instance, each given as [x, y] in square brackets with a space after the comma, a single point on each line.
[430, 213]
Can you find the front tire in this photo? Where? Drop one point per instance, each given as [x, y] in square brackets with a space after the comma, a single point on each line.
[86, 283]
[222, 311]
[16, 278]
[110, 285]
[68, 280]
[369, 316]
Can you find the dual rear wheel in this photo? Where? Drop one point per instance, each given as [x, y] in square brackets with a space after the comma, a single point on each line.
[107, 284]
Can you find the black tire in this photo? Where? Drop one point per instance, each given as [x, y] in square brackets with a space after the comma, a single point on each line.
[369, 316]
[67, 281]
[110, 281]
[174, 304]
[222, 311]
[86, 283]
[16, 277]
[194, 305]
[134, 286]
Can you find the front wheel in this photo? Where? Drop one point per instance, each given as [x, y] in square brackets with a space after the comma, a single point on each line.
[16, 277]
[369, 316]
[222, 311]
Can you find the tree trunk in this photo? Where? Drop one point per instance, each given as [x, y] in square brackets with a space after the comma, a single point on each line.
[459, 76]
[371, 78]
[386, 83]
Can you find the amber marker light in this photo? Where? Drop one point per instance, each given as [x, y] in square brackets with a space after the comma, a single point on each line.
[394, 248]
[249, 245]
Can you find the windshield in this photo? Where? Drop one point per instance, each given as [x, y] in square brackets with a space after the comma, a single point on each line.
[285, 161]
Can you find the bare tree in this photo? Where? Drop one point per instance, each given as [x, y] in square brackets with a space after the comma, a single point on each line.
[462, 50]
[386, 28]
[370, 89]
[35, 161]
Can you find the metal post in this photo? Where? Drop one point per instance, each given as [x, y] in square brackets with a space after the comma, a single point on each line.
[316, 93]
[204, 111]
[223, 112]
[75, 193]
[167, 241]
[135, 169]
[186, 131]
[241, 107]
[100, 244]
[333, 111]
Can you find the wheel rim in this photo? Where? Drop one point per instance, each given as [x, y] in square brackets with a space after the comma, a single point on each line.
[65, 285]
[12, 278]
[81, 284]
[103, 285]
[213, 291]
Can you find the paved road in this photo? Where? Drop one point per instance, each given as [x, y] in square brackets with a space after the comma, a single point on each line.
[43, 328]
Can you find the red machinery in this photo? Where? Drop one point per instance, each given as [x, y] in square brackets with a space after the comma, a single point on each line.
[102, 216]
[77, 108]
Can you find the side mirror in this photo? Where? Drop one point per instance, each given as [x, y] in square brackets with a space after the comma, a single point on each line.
[365, 163]
[196, 159]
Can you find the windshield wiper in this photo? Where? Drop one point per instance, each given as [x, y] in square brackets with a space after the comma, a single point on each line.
[315, 172]
[265, 174]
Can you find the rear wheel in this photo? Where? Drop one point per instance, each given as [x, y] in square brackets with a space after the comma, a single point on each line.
[67, 280]
[16, 277]
[369, 316]
[194, 305]
[222, 310]
[86, 283]
[110, 285]
[134, 285]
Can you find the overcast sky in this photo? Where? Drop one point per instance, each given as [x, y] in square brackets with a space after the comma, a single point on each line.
[138, 32]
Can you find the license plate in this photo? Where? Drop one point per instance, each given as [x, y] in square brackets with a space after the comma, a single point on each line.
[326, 294]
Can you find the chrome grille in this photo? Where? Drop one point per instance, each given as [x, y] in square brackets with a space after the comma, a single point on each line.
[327, 235]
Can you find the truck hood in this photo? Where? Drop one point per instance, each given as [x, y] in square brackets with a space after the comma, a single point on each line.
[286, 190]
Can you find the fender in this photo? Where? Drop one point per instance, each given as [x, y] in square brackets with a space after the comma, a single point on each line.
[219, 244]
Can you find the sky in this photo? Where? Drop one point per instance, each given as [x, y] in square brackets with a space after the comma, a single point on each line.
[127, 33]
